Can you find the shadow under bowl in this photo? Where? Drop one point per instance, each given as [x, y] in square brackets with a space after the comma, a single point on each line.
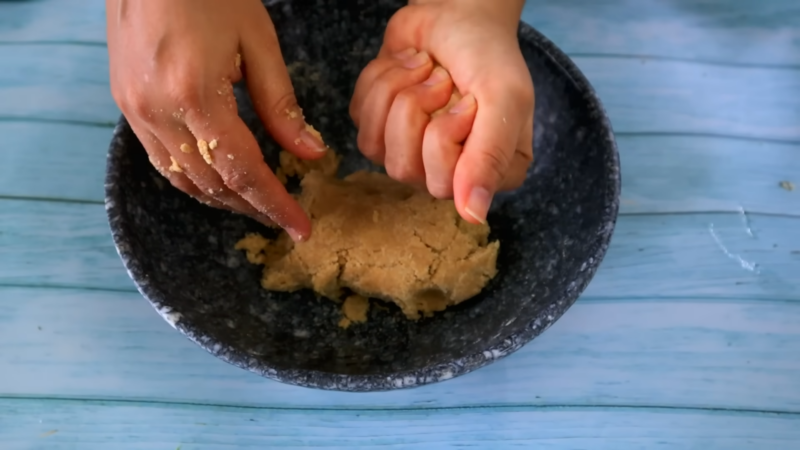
[554, 231]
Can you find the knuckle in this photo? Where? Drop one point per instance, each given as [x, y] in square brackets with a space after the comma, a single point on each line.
[496, 161]
[386, 86]
[354, 110]
[239, 181]
[397, 23]
[287, 101]
[132, 102]
[402, 172]
[186, 93]
[370, 146]
[439, 189]
[406, 99]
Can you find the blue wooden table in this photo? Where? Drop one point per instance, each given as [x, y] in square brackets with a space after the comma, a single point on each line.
[689, 336]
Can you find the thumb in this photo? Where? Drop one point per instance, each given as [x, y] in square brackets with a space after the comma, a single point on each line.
[272, 91]
[487, 156]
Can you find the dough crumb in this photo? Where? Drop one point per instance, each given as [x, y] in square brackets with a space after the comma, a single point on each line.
[174, 167]
[281, 176]
[186, 148]
[203, 147]
[293, 166]
[354, 309]
[291, 113]
[254, 246]
[315, 133]
[787, 185]
[377, 238]
[213, 144]
[238, 61]
[230, 156]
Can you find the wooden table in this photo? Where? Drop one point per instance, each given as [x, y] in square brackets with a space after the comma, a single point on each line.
[689, 336]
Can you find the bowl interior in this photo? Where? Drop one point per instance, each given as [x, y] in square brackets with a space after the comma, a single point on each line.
[553, 231]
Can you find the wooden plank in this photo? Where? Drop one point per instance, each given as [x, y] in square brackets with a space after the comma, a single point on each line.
[57, 83]
[669, 174]
[659, 173]
[736, 31]
[727, 255]
[58, 243]
[641, 96]
[53, 160]
[651, 96]
[57, 425]
[688, 352]
[53, 20]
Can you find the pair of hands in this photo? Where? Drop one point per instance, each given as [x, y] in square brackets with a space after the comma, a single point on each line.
[173, 64]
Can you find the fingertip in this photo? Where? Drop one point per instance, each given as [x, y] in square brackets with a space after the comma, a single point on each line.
[465, 106]
[477, 204]
[457, 122]
[309, 143]
[296, 236]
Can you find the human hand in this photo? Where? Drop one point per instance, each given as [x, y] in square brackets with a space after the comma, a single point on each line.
[172, 66]
[484, 144]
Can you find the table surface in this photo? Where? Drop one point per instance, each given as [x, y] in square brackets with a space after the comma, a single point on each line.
[688, 337]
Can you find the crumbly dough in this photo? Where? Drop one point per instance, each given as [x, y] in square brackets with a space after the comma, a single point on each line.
[377, 238]
[355, 310]
[292, 166]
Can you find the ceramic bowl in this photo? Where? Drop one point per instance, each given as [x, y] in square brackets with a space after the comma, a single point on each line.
[554, 231]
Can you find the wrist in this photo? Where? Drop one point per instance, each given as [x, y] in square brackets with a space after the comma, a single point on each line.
[507, 11]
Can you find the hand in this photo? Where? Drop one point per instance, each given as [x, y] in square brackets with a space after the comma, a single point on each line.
[172, 66]
[485, 143]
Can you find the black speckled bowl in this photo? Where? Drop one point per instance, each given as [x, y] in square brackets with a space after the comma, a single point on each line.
[554, 231]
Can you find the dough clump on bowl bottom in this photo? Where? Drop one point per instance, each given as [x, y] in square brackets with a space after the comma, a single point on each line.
[377, 238]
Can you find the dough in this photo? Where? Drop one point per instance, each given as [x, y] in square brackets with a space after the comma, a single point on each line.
[355, 310]
[377, 238]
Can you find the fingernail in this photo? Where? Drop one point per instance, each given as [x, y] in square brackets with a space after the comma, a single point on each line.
[463, 105]
[438, 75]
[417, 60]
[295, 235]
[312, 139]
[478, 204]
[405, 54]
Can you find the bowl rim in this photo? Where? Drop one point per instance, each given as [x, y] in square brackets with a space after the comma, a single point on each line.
[411, 378]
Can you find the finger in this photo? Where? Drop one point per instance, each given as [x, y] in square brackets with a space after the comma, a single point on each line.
[272, 91]
[407, 28]
[443, 143]
[369, 74]
[239, 165]
[405, 126]
[375, 110]
[489, 149]
[169, 168]
[182, 146]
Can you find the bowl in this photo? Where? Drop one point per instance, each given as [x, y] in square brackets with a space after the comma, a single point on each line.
[554, 230]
